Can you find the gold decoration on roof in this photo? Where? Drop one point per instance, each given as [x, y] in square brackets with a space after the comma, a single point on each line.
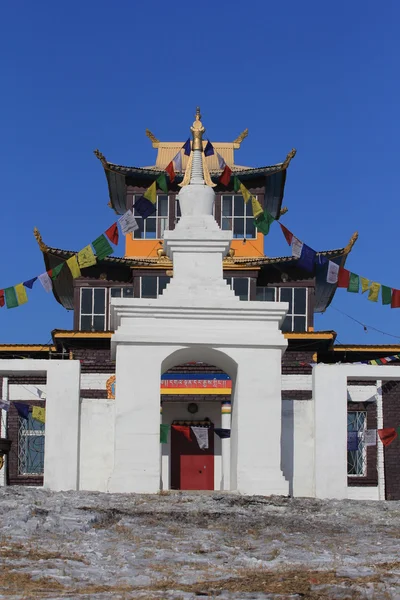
[153, 138]
[283, 211]
[351, 243]
[289, 157]
[240, 138]
[197, 130]
[39, 240]
[100, 156]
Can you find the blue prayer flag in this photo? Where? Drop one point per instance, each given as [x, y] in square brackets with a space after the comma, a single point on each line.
[209, 149]
[222, 433]
[23, 409]
[307, 258]
[352, 440]
[186, 147]
[144, 207]
[29, 283]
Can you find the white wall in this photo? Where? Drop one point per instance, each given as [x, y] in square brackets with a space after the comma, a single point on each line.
[297, 446]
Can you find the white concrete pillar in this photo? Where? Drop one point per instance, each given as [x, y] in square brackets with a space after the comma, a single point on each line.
[61, 457]
[380, 447]
[330, 431]
[226, 445]
[257, 427]
[3, 417]
[137, 465]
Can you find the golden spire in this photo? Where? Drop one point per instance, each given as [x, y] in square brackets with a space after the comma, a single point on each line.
[197, 130]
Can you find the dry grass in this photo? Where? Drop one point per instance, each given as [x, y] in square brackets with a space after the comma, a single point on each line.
[17, 551]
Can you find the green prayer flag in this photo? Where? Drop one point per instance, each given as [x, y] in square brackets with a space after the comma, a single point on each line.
[162, 183]
[11, 297]
[398, 431]
[164, 434]
[386, 295]
[236, 184]
[263, 222]
[102, 247]
[354, 283]
[56, 271]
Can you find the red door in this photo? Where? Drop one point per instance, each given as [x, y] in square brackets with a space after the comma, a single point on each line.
[191, 467]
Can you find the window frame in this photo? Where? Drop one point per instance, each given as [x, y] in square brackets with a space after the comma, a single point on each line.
[247, 216]
[93, 314]
[362, 449]
[231, 283]
[140, 234]
[24, 434]
[159, 292]
[292, 315]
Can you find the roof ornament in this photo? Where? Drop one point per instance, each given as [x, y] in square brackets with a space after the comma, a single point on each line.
[240, 138]
[39, 240]
[289, 157]
[100, 156]
[197, 130]
[153, 138]
[197, 172]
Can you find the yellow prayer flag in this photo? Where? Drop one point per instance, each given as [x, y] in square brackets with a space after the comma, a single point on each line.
[151, 193]
[245, 193]
[39, 413]
[256, 206]
[72, 263]
[21, 294]
[365, 284]
[374, 291]
[86, 257]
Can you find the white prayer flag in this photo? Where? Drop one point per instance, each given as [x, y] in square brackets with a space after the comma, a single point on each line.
[177, 160]
[45, 281]
[370, 437]
[333, 272]
[297, 247]
[128, 222]
[5, 405]
[201, 434]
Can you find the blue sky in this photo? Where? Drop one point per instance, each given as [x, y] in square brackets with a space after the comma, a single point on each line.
[320, 77]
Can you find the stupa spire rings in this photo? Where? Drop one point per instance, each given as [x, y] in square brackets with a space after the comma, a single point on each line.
[197, 130]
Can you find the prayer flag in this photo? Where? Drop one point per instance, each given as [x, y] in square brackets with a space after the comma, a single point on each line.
[102, 247]
[56, 271]
[288, 234]
[354, 283]
[374, 291]
[236, 184]
[128, 222]
[5, 405]
[201, 434]
[22, 409]
[364, 284]
[225, 176]
[45, 281]
[86, 257]
[297, 247]
[30, 282]
[370, 437]
[22, 296]
[11, 297]
[162, 183]
[151, 193]
[263, 222]
[245, 193]
[322, 260]
[185, 429]
[256, 207]
[177, 160]
[307, 258]
[386, 295]
[73, 266]
[144, 207]
[222, 433]
[39, 414]
[209, 149]
[221, 162]
[352, 440]
[113, 234]
[387, 435]
[333, 272]
[186, 147]
[164, 434]
[344, 278]
[2, 298]
[170, 170]
[395, 298]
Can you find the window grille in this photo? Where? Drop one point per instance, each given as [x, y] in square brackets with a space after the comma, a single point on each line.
[357, 459]
[31, 437]
[154, 226]
[297, 297]
[237, 216]
[153, 286]
[240, 285]
[93, 309]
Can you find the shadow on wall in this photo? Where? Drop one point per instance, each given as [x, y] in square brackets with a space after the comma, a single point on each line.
[287, 442]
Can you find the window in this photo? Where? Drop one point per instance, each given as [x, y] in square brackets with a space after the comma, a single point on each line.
[152, 286]
[154, 226]
[118, 292]
[357, 459]
[30, 446]
[240, 285]
[178, 213]
[93, 309]
[237, 216]
[296, 318]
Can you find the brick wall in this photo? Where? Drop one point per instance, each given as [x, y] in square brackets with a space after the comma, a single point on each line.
[391, 418]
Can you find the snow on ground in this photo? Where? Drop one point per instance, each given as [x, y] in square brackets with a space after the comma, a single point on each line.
[183, 545]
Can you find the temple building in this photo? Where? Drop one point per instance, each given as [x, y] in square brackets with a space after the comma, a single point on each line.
[199, 386]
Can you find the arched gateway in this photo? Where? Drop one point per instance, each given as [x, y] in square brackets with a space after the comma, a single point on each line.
[198, 318]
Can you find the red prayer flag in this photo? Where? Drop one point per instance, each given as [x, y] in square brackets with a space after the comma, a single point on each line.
[185, 429]
[343, 278]
[171, 172]
[288, 234]
[50, 272]
[395, 299]
[1, 298]
[225, 176]
[112, 233]
[387, 435]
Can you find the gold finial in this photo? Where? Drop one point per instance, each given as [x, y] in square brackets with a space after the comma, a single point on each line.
[240, 138]
[289, 157]
[351, 243]
[39, 240]
[153, 138]
[197, 130]
[283, 211]
[100, 156]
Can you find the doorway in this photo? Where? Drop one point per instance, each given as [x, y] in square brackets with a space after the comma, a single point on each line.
[192, 468]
